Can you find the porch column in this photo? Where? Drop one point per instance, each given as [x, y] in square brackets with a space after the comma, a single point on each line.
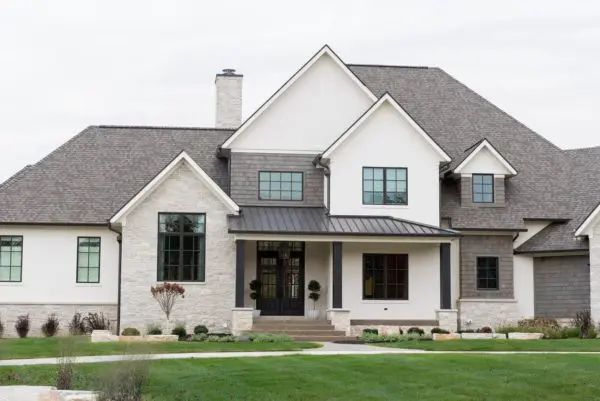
[240, 247]
[445, 277]
[337, 275]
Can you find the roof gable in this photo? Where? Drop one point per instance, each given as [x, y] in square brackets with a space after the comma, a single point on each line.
[325, 51]
[486, 158]
[182, 158]
[385, 99]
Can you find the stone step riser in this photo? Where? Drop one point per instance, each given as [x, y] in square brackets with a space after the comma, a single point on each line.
[290, 327]
[319, 338]
[293, 333]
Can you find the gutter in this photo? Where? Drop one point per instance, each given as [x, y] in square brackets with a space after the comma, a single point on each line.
[120, 241]
[325, 164]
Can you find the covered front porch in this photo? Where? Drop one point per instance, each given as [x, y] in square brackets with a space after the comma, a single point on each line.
[390, 273]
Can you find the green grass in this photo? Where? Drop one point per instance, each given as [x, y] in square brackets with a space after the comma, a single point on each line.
[373, 377]
[571, 344]
[16, 348]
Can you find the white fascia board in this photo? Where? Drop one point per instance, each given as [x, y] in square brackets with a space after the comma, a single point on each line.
[341, 238]
[325, 50]
[183, 157]
[587, 224]
[486, 145]
[386, 99]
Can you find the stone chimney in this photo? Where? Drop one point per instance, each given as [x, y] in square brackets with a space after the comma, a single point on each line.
[229, 99]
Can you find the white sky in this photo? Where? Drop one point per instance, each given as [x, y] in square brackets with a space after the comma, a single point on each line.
[67, 64]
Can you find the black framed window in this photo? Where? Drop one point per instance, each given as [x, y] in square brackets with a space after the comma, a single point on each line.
[280, 185]
[11, 258]
[88, 259]
[487, 273]
[483, 188]
[385, 186]
[181, 246]
[385, 276]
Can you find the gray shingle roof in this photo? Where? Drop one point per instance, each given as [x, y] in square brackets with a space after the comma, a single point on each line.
[90, 177]
[551, 183]
[315, 220]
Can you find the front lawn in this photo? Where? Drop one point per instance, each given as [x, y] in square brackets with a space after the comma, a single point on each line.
[360, 377]
[17, 348]
[570, 344]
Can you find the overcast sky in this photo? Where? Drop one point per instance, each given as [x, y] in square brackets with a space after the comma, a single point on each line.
[67, 64]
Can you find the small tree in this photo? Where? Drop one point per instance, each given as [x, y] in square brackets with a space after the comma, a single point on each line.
[166, 294]
[255, 286]
[315, 292]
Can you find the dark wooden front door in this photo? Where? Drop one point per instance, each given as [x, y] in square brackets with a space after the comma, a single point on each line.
[280, 269]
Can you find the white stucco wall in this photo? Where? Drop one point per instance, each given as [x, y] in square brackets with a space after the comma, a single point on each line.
[210, 302]
[386, 139]
[310, 114]
[523, 270]
[49, 267]
[423, 282]
[484, 162]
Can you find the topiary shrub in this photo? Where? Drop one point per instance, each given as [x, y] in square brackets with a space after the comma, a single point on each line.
[22, 326]
[50, 326]
[180, 331]
[370, 331]
[415, 330]
[485, 329]
[154, 330]
[201, 329]
[437, 330]
[130, 331]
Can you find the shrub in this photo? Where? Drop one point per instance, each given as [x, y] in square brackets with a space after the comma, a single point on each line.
[130, 331]
[553, 334]
[370, 331]
[516, 329]
[180, 331]
[592, 333]
[392, 338]
[154, 329]
[22, 326]
[1, 327]
[124, 381]
[200, 329]
[50, 327]
[269, 337]
[224, 339]
[571, 332]
[166, 294]
[583, 320]
[539, 323]
[64, 372]
[437, 330]
[485, 329]
[199, 337]
[77, 325]
[466, 331]
[415, 330]
[96, 321]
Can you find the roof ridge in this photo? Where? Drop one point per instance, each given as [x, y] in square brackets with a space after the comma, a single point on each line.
[583, 148]
[419, 67]
[162, 127]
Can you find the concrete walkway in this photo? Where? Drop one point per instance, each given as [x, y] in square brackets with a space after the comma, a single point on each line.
[327, 349]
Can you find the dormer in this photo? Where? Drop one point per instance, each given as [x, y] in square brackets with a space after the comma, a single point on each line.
[483, 175]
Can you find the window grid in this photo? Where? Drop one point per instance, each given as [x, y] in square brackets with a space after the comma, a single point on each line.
[487, 273]
[385, 276]
[88, 259]
[483, 188]
[280, 185]
[181, 246]
[11, 258]
[385, 186]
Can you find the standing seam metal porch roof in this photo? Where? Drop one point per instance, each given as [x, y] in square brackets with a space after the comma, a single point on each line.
[316, 221]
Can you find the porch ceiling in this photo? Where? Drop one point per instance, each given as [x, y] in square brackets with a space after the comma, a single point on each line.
[316, 221]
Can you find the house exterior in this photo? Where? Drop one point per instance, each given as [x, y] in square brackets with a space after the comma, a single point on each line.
[410, 198]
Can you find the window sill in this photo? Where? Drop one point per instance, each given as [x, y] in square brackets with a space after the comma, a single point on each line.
[88, 284]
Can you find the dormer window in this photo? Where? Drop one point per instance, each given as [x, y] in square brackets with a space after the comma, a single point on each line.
[483, 188]
[385, 186]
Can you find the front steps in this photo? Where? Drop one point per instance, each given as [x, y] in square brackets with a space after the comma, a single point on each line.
[299, 328]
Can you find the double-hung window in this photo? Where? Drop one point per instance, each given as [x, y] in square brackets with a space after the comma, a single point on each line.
[487, 273]
[11, 258]
[280, 185]
[385, 186]
[483, 188]
[88, 259]
[385, 276]
[181, 247]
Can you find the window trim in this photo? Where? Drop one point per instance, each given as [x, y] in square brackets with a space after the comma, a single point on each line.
[497, 273]
[364, 298]
[281, 171]
[473, 187]
[158, 233]
[21, 272]
[362, 195]
[99, 261]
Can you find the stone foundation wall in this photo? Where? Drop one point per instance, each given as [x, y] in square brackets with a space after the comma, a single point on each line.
[39, 313]
[487, 312]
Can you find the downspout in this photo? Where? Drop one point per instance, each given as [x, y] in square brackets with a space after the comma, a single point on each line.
[120, 241]
[325, 164]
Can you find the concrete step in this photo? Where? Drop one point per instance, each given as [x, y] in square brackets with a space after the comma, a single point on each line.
[319, 338]
[284, 327]
[302, 332]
